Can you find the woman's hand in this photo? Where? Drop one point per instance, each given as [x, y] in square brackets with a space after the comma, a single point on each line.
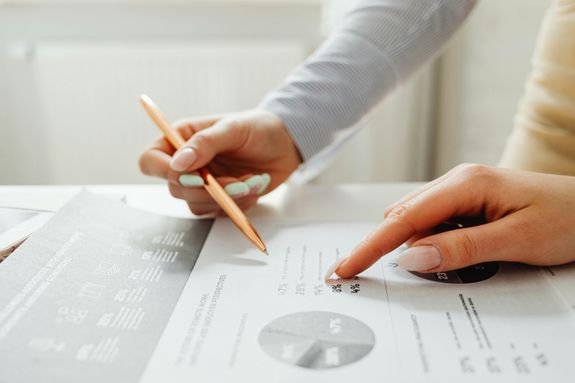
[250, 153]
[530, 219]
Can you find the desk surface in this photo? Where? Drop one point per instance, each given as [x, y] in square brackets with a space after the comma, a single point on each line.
[333, 202]
[522, 313]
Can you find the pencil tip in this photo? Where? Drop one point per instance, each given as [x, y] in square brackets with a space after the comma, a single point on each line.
[266, 252]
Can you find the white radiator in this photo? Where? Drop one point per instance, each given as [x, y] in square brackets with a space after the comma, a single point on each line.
[87, 97]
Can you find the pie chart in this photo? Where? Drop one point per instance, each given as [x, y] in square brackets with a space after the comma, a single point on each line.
[317, 339]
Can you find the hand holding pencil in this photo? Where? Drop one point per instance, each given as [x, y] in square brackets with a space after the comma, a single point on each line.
[248, 153]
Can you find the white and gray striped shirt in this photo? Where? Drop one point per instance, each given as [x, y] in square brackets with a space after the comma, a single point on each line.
[379, 44]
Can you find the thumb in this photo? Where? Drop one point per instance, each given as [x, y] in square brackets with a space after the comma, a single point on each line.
[460, 248]
[204, 145]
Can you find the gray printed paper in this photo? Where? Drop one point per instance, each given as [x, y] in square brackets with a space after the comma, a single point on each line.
[87, 297]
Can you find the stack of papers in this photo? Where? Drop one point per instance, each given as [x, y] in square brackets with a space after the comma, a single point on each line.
[105, 292]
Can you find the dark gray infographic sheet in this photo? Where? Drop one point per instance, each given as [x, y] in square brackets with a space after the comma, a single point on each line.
[87, 297]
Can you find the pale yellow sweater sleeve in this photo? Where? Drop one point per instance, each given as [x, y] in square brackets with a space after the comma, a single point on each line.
[543, 138]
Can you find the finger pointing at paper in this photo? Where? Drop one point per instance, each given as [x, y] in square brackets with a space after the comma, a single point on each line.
[524, 222]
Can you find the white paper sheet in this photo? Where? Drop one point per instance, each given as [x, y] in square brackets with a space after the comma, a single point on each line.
[246, 317]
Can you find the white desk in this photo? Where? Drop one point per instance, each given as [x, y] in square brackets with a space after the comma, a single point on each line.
[349, 202]
[506, 313]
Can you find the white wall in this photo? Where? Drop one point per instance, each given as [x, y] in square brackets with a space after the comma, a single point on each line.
[70, 76]
[428, 126]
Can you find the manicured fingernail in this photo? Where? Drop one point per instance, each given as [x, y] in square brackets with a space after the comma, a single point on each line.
[237, 189]
[254, 181]
[333, 268]
[190, 180]
[266, 179]
[420, 258]
[183, 159]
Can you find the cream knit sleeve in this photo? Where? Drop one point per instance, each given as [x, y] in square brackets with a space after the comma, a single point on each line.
[543, 138]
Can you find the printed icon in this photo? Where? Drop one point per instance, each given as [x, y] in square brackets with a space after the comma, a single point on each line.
[300, 289]
[105, 320]
[107, 269]
[160, 255]
[84, 352]
[282, 288]
[332, 358]
[122, 295]
[170, 239]
[91, 291]
[334, 325]
[66, 314]
[121, 249]
[105, 351]
[126, 319]
[150, 274]
[135, 295]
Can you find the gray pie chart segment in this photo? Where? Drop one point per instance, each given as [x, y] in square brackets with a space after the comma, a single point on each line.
[317, 339]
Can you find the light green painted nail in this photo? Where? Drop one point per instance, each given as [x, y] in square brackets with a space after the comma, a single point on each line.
[190, 180]
[266, 179]
[254, 181]
[237, 189]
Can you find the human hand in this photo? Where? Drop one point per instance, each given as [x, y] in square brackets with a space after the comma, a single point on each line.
[250, 153]
[530, 219]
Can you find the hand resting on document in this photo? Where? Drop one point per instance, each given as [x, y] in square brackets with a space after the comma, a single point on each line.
[530, 218]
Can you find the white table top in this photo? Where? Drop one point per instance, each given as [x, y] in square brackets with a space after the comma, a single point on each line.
[330, 202]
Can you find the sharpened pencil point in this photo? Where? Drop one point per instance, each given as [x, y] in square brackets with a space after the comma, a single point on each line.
[266, 252]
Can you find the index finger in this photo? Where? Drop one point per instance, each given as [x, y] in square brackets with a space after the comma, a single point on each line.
[423, 212]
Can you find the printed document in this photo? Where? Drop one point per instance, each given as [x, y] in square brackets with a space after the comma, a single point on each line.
[105, 292]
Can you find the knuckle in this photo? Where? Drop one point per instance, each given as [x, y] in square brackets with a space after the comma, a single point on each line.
[197, 209]
[246, 205]
[398, 212]
[173, 177]
[388, 210]
[201, 141]
[401, 214]
[175, 190]
[477, 172]
[465, 249]
[233, 124]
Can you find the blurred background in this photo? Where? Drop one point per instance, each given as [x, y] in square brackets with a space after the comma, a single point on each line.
[71, 72]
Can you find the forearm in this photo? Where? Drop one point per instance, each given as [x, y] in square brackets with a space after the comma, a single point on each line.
[380, 44]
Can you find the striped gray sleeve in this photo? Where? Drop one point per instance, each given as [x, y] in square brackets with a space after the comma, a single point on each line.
[379, 44]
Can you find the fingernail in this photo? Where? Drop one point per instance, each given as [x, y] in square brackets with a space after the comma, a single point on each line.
[420, 258]
[190, 180]
[237, 189]
[254, 181]
[266, 179]
[333, 268]
[183, 159]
